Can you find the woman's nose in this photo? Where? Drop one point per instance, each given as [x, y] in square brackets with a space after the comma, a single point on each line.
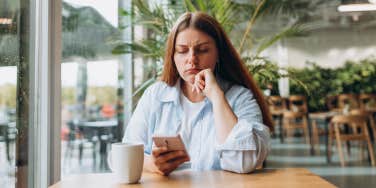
[192, 58]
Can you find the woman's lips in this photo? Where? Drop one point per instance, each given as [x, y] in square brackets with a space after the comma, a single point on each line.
[192, 71]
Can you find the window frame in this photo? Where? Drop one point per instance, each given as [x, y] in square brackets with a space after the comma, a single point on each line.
[45, 91]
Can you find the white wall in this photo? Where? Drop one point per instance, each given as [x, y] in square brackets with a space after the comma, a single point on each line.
[330, 48]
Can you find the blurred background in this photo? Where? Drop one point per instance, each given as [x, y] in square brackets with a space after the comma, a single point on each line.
[314, 60]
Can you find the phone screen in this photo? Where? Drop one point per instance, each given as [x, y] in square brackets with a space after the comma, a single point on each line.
[171, 142]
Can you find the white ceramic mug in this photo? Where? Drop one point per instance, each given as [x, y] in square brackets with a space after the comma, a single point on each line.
[126, 161]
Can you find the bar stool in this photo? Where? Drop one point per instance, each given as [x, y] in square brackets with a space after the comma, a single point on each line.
[358, 131]
[295, 120]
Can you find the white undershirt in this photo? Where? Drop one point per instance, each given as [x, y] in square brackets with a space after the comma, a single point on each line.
[191, 111]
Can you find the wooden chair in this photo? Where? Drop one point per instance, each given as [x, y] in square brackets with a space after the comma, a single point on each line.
[298, 103]
[331, 102]
[276, 104]
[370, 119]
[295, 120]
[365, 99]
[357, 126]
[316, 133]
[350, 99]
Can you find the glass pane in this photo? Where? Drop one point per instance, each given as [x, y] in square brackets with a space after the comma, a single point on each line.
[89, 85]
[14, 92]
[8, 80]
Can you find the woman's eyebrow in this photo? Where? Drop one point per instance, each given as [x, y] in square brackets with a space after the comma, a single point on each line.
[199, 44]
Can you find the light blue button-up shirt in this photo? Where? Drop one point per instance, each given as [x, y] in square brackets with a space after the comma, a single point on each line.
[159, 112]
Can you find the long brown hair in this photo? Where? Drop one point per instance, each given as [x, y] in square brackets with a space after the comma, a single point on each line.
[230, 66]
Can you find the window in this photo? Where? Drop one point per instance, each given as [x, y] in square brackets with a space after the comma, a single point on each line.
[27, 95]
[91, 95]
[14, 92]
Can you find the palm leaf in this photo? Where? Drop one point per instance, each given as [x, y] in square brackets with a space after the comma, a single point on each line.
[202, 5]
[190, 6]
[251, 23]
[295, 30]
[144, 85]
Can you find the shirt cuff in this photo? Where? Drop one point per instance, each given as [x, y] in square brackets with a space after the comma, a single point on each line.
[242, 136]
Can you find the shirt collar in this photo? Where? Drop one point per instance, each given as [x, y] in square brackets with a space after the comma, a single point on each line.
[171, 93]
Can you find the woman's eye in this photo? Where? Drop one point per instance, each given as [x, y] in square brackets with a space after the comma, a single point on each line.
[181, 51]
[203, 50]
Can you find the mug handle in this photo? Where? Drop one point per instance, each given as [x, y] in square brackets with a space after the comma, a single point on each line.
[109, 160]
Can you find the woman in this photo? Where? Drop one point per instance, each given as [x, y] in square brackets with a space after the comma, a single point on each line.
[208, 97]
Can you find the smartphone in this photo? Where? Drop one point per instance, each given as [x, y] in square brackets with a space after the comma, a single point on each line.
[173, 143]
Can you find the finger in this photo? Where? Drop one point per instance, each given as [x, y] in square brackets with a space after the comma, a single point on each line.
[201, 75]
[182, 155]
[157, 151]
[202, 82]
[201, 86]
[193, 88]
[160, 172]
[167, 168]
[199, 90]
[169, 156]
[194, 85]
[164, 169]
[174, 164]
[209, 76]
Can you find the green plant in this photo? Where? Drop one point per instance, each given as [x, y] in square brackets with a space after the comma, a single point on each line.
[353, 77]
[357, 77]
[318, 84]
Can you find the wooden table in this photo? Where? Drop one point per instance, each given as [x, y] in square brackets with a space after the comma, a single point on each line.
[98, 128]
[289, 178]
[326, 117]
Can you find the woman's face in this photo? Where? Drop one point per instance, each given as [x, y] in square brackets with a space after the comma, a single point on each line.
[194, 51]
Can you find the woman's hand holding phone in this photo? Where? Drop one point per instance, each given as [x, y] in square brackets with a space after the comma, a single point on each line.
[164, 161]
[167, 154]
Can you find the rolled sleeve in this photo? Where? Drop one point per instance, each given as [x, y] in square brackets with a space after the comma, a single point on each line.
[138, 128]
[242, 136]
[245, 148]
[248, 143]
